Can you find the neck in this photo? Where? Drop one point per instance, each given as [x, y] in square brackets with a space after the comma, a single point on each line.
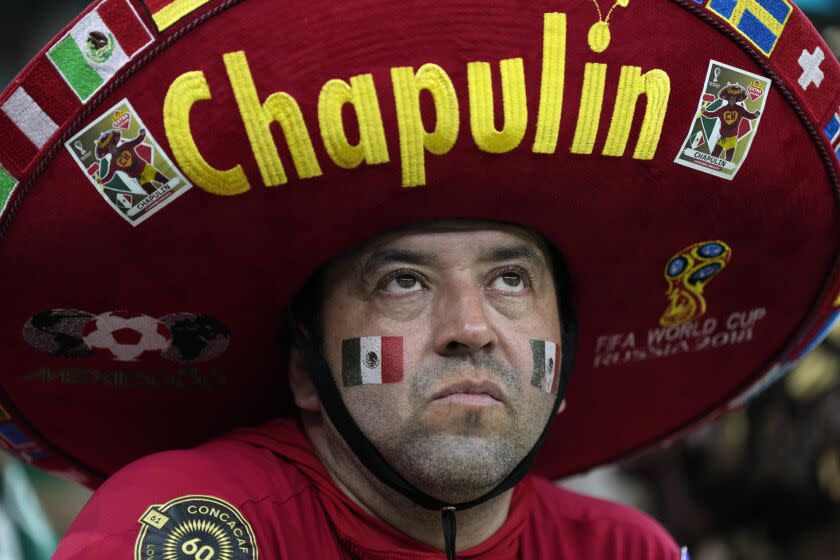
[475, 525]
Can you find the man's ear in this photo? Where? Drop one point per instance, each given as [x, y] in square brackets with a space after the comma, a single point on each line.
[306, 396]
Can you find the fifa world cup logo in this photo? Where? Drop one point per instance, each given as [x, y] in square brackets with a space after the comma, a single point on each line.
[687, 273]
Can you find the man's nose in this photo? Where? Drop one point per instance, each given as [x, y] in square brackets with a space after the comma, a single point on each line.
[462, 323]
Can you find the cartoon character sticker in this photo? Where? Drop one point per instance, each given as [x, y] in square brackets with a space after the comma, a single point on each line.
[726, 121]
[126, 165]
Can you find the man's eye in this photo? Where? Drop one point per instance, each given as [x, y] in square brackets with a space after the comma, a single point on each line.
[402, 284]
[509, 282]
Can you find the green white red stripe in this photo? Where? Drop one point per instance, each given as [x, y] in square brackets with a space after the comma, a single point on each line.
[546, 365]
[99, 46]
[7, 187]
[372, 360]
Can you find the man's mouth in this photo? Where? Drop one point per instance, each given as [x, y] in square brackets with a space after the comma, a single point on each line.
[470, 392]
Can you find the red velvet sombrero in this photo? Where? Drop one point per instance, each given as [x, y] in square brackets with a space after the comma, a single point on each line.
[173, 170]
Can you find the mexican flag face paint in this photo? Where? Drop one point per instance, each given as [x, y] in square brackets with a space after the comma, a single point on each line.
[546, 365]
[372, 360]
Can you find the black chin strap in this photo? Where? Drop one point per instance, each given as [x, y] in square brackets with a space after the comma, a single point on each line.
[369, 455]
[449, 530]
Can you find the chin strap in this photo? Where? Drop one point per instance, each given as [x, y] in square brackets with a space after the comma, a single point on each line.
[372, 459]
[449, 530]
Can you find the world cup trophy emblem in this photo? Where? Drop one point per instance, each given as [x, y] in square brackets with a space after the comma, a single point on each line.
[687, 274]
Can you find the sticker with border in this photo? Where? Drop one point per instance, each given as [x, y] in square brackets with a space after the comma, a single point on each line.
[195, 527]
[726, 121]
[126, 165]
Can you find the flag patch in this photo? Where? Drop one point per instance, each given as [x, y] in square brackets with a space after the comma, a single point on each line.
[167, 13]
[17, 441]
[546, 365]
[98, 46]
[7, 187]
[29, 117]
[372, 360]
[14, 436]
[832, 132]
[761, 22]
[33, 112]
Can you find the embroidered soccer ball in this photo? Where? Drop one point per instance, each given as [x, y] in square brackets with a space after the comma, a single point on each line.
[127, 335]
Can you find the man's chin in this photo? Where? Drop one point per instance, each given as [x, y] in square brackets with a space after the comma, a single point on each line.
[456, 467]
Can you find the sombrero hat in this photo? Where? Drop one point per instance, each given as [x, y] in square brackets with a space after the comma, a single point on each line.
[174, 170]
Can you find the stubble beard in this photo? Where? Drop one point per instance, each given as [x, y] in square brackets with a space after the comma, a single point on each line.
[475, 453]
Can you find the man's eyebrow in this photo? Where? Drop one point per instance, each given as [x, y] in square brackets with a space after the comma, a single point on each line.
[386, 256]
[512, 253]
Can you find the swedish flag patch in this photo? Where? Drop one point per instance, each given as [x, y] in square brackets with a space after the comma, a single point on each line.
[761, 22]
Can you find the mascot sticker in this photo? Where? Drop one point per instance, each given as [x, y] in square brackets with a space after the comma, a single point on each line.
[125, 164]
[726, 121]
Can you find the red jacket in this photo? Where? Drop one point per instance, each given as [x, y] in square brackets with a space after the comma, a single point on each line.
[265, 490]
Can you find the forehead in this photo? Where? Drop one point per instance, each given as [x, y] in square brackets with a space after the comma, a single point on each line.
[449, 240]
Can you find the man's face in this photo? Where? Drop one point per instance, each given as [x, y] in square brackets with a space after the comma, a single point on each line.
[467, 301]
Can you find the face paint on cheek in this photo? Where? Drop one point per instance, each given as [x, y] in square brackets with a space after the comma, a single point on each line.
[546, 365]
[372, 360]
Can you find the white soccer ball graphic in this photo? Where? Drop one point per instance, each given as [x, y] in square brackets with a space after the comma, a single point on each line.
[127, 335]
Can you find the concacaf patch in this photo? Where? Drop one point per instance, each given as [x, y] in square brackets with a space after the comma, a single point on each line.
[126, 165]
[195, 528]
[726, 121]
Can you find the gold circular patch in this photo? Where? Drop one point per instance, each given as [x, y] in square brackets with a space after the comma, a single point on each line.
[195, 528]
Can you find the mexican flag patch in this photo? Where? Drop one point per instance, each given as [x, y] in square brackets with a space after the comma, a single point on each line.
[372, 360]
[546, 365]
[98, 46]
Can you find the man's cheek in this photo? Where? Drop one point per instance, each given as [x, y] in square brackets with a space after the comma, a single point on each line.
[372, 360]
[546, 365]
